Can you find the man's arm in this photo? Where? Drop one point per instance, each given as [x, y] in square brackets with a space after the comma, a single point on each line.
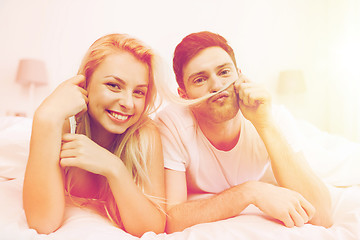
[292, 171]
[183, 213]
[283, 204]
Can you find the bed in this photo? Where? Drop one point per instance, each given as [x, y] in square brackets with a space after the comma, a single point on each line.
[335, 159]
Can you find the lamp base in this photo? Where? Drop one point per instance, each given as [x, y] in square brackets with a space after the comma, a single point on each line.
[31, 95]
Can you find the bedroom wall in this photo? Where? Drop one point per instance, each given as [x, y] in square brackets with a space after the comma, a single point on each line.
[267, 36]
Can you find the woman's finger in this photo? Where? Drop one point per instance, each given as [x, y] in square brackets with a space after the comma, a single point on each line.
[67, 137]
[83, 91]
[68, 162]
[78, 80]
[68, 145]
[68, 153]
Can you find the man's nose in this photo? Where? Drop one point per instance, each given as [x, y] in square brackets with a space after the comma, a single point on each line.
[216, 83]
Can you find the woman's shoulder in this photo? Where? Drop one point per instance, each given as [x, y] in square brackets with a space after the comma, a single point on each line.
[149, 127]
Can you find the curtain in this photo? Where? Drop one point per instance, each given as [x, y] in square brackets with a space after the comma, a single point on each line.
[343, 68]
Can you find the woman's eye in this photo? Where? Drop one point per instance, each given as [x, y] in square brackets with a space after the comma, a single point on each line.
[139, 93]
[113, 85]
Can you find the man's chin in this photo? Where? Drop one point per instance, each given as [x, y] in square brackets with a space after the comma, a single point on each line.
[216, 115]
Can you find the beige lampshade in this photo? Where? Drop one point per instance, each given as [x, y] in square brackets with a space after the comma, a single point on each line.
[290, 82]
[31, 71]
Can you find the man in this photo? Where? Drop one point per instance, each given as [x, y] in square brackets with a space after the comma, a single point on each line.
[224, 145]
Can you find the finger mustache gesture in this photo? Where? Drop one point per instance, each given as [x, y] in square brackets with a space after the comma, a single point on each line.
[254, 102]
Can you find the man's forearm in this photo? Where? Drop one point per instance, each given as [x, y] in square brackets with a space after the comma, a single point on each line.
[226, 204]
[292, 171]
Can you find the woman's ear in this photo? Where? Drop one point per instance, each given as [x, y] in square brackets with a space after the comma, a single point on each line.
[182, 93]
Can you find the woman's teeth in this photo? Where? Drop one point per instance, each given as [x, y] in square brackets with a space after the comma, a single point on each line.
[118, 116]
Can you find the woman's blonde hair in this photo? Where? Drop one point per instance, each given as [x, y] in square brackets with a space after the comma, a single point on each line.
[135, 144]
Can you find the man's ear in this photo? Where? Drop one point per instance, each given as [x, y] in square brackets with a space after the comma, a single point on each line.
[239, 71]
[182, 93]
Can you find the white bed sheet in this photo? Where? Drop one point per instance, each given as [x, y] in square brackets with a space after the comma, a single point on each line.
[335, 159]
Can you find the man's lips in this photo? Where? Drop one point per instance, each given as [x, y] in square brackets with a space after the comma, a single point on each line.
[220, 96]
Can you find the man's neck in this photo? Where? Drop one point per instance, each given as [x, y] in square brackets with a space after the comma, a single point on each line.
[223, 136]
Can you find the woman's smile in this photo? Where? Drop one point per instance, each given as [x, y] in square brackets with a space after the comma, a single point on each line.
[118, 117]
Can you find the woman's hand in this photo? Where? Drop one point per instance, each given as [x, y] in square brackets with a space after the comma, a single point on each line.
[283, 204]
[78, 150]
[254, 102]
[68, 99]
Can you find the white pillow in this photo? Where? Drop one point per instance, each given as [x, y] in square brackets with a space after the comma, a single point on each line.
[15, 135]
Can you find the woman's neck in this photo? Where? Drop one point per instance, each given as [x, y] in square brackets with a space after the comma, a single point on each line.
[100, 136]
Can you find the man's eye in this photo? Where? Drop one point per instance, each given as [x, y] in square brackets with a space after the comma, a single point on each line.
[199, 80]
[224, 72]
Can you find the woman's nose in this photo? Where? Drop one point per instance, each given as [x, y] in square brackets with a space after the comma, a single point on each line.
[126, 100]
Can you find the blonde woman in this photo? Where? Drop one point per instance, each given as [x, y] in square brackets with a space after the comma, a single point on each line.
[113, 163]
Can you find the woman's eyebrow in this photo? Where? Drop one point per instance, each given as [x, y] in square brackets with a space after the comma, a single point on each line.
[124, 82]
[116, 78]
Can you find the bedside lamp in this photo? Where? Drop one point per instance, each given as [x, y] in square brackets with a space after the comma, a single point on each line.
[31, 73]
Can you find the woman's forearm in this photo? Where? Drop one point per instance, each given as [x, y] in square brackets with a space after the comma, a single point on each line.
[138, 213]
[43, 191]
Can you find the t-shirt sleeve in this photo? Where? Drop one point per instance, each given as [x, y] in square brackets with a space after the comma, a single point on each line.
[171, 130]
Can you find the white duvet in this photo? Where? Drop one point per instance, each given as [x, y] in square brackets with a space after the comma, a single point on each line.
[333, 158]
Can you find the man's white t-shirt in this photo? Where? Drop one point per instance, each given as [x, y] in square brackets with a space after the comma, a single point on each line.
[209, 170]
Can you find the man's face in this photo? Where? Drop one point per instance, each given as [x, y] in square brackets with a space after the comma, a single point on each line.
[207, 72]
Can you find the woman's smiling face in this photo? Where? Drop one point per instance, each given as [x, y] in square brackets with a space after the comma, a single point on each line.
[117, 92]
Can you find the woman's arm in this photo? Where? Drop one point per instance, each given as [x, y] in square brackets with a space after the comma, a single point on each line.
[43, 190]
[138, 213]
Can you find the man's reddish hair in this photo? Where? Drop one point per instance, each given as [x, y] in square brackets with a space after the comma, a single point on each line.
[191, 45]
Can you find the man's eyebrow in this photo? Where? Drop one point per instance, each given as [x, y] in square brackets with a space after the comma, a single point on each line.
[195, 74]
[224, 65]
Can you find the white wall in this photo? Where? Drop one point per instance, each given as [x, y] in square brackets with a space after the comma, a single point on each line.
[267, 35]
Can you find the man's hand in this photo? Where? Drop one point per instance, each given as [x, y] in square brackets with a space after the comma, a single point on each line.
[254, 102]
[283, 204]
